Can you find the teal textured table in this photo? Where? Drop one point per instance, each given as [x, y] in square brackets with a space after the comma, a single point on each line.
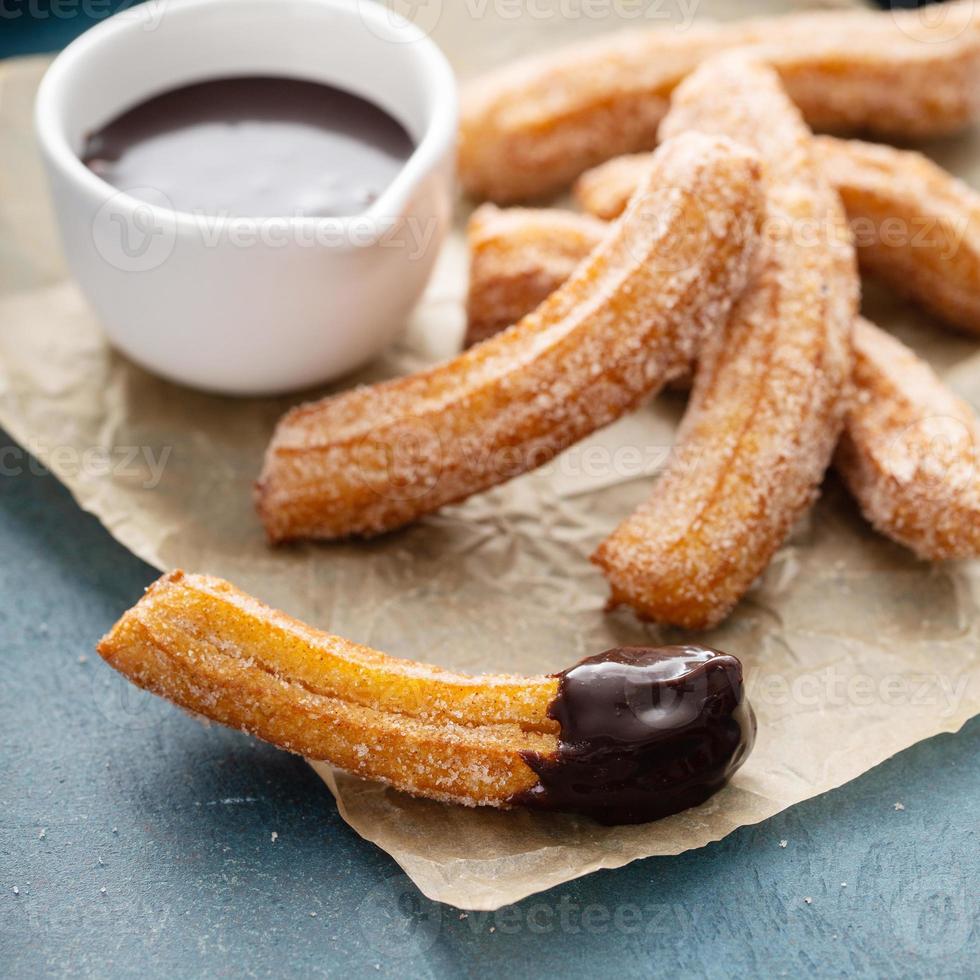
[135, 842]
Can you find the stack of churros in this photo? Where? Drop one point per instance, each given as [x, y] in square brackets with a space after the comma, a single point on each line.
[717, 235]
[628, 319]
[916, 228]
[532, 127]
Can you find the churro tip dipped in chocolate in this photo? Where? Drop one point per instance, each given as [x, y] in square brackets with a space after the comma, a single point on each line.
[631, 735]
[644, 732]
[629, 318]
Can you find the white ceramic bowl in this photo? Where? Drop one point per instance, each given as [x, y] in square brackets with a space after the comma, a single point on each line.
[251, 305]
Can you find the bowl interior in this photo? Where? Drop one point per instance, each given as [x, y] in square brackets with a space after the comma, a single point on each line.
[351, 44]
[336, 43]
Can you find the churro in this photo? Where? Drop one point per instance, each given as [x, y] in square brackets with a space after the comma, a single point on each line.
[552, 742]
[909, 447]
[603, 191]
[767, 404]
[518, 256]
[916, 227]
[630, 317]
[530, 128]
[910, 453]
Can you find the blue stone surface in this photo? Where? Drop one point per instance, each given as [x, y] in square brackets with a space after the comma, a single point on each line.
[136, 842]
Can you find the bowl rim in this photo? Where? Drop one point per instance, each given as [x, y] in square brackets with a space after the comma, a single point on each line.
[387, 25]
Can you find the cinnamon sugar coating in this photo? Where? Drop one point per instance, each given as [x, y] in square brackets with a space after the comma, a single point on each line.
[603, 191]
[909, 447]
[768, 399]
[206, 646]
[630, 318]
[518, 256]
[910, 453]
[916, 227]
[530, 128]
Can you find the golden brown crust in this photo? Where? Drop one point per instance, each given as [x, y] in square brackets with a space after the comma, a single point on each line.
[630, 317]
[767, 405]
[519, 256]
[531, 248]
[604, 190]
[915, 226]
[212, 649]
[910, 453]
[905, 452]
[531, 128]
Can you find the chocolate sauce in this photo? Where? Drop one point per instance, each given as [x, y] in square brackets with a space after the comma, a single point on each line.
[252, 147]
[644, 732]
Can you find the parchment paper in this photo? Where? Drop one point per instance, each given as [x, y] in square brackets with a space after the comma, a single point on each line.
[854, 650]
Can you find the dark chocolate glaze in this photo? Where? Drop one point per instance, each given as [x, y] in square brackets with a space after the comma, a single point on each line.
[644, 732]
[257, 147]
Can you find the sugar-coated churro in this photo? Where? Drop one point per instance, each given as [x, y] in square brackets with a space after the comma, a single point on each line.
[603, 191]
[552, 742]
[910, 452]
[909, 449]
[916, 227]
[531, 128]
[767, 404]
[628, 319]
[518, 256]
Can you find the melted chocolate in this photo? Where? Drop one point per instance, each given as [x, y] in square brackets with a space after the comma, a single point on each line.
[644, 732]
[252, 147]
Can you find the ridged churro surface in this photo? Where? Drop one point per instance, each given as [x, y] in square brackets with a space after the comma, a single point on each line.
[530, 128]
[518, 256]
[768, 399]
[603, 191]
[910, 453]
[630, 317]
[212, 649]
[916, 227]
[909, 450]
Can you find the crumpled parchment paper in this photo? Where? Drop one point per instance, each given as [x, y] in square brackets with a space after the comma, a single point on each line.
[853, 649]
